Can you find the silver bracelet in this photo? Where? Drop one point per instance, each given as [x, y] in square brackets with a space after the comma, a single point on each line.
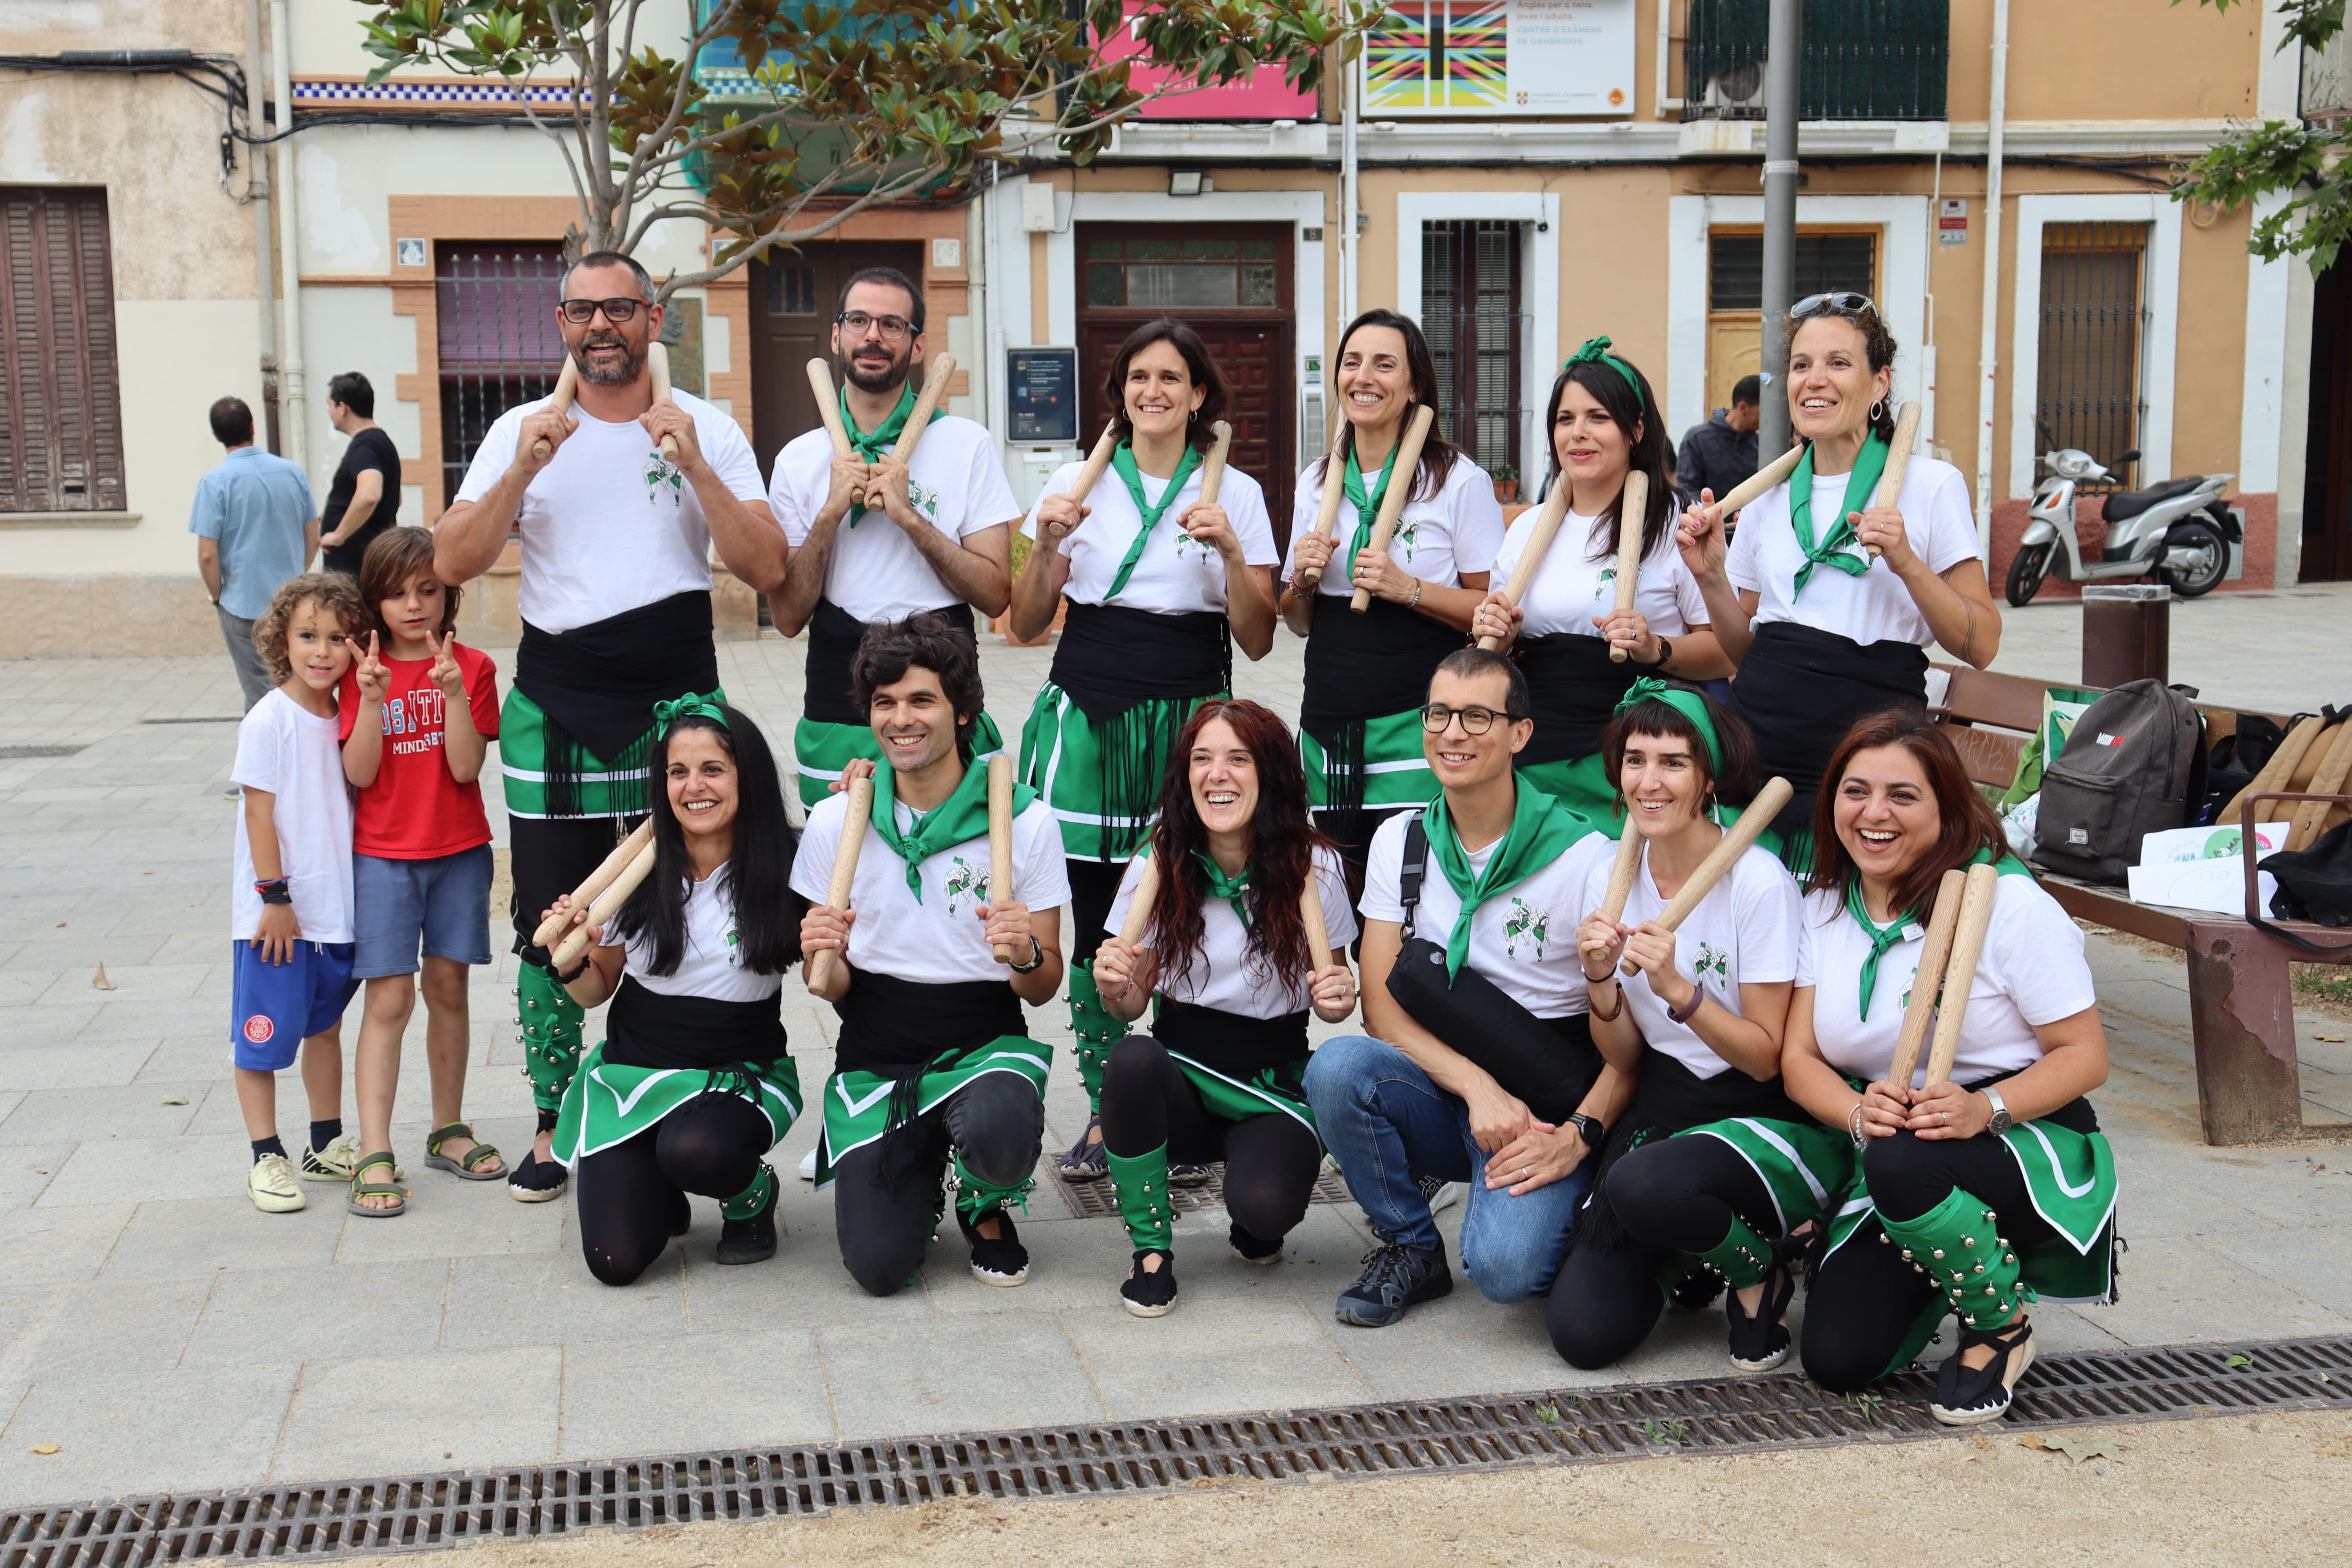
[1853, 1124]
[1414, 603]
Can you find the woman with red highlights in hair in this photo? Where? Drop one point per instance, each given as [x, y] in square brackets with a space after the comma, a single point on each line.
[1226, 950]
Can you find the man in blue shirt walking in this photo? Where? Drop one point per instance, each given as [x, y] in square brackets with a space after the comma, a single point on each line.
[256, 526]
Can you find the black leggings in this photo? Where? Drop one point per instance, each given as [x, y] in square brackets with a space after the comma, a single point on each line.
[1094, 888]
[1861, 1305]
[633, 1196]
[996, 1121]
[1673, 1196]
[1270, 1160]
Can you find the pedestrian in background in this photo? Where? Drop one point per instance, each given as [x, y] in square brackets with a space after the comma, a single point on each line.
[256, 528]
[364, 502]
[1719, 453]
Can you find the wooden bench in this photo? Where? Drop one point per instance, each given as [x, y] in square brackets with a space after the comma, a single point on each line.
[2241, 1003]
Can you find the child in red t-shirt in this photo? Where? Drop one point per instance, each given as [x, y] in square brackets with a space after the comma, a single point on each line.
[417, 714]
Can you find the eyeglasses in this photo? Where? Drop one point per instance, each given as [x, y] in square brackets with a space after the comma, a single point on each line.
[1844, 302]
[1476, 721]
[858, 323]
[580, 312]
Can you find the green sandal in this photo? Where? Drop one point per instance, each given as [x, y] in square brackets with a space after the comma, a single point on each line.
[362, 1188]
[469, 1168]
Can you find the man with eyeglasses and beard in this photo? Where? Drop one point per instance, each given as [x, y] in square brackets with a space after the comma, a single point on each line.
[938, 539]
[615, 598]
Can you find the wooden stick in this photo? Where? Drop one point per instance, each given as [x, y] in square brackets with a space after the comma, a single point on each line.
[829, 405]
[1632, 510]
[845, 871]
[567, 387]
[2278, 770]
[1735, 842]
[919, 418]
[598, 880]
[607, 901]
[1327, 510]
[1620, 875]
[2329, 780]
[1147, 893]
[1097, 461]
[1000, 841]
[657, 367]
[1531, 561]
[1400, 478]
[1934, 958]
[1756, 483]
[1213, 469]
[1310, 911]
[1898, 457]
[1967, 945]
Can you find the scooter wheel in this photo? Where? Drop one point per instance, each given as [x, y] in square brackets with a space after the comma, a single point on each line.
[2026, 570]
[2212, 557]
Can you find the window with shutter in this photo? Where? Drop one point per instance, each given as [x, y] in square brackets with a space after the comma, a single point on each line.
[60, 395]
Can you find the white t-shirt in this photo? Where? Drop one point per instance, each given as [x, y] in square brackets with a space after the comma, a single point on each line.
[608, 525]
[1874, 607]
[1176, 574]
[1570, 588]
[711, 962]
[875, 572]
[941, 938]
[1457, 530]
[1524, 940]
[1224, 974]
[293, 756]
[2031, 971]
[1744, 933]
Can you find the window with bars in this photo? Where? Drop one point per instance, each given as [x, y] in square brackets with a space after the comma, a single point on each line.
[498, 342]
[1191, 273]
[2087, 391]
[60, 393]
[1473, 313]
[1734, 274]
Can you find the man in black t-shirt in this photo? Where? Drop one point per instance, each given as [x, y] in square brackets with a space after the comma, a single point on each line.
[364, 499]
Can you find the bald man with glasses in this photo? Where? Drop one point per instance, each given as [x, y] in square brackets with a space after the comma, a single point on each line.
[615, 542]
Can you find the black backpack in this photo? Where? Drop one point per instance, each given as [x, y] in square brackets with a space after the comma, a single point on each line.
[2134, 765]
[2236, 758]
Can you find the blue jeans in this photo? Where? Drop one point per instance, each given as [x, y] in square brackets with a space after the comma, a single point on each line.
[1385, 1121]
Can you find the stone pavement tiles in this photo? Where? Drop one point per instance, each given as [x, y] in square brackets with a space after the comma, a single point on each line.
[163, 1335]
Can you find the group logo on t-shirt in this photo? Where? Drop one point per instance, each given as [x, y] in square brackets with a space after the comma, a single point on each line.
[924, 496]
[1601, 584]
[1713, 966]
[1403, 538]
[1532, 921]
[967, 881]
[660, 471]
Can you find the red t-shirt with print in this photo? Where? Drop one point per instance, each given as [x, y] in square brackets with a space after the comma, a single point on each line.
[415, 810]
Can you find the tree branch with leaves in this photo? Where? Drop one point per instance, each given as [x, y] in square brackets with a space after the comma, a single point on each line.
[2302, 159]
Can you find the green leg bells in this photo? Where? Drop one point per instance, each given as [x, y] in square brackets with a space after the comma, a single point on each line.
[1143, 1199]
[550, 1034]
[1097, 1030]
[747, 1203]
[1975, 1269]
[976, 1199]
[1742, 1257]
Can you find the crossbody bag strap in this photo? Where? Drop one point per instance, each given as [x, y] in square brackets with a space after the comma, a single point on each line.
[1415, 865]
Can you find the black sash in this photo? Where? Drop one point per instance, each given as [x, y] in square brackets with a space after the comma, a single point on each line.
[1111, 657]
[646, 1028]
[1574, 690]
[1369, 666]
[1800, 689]
[1231, 1043]
[903, 1029]
[597, 684]
[834, 635]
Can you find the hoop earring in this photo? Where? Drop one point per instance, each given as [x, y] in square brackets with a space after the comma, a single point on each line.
[1878, 411]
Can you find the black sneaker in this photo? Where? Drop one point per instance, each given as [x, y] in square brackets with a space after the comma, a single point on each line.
[750, 1240]
[535, 1181]
[1254, 1249]
[1395, 1278]
[1003, 1261]
[1150, 1295]
[1759, 1343]
[1088, 1160]
[1189, 1175]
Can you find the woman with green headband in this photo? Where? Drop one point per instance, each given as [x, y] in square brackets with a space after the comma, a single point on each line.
[1697, 1012]
[1159, 585]
[1603, 425]
[693, 1083]
[1823, 633]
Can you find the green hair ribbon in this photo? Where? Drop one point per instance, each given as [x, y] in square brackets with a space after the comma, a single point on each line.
[690, 706]
[1596, 352]
[1683, 700]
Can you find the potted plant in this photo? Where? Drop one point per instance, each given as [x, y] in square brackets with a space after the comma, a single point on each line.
[1507, 484]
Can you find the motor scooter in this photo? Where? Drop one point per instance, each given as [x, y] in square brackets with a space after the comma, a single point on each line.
[2178, 532]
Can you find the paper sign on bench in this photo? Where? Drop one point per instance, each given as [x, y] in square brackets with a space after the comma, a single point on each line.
[2202, 867]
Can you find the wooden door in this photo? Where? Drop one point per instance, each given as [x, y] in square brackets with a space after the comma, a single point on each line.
[2328, 450]
[794, 301]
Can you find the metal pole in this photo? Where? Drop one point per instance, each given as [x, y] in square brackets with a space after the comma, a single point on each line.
[293, 428]
[256, 188]
[1783, 77]
[1988, 346]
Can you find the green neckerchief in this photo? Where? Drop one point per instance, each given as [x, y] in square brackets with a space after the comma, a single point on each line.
[1368, 507]
[1229, 889]
[875, 446]
[1831, 550]
[1883, 937]
[964, 816]
[691, 705]
[1683, 700]
[1122, 461]
[1540, 832]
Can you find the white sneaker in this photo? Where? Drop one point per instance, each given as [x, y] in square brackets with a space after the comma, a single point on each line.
[333, 1163]
[1442, 1194]
[808, 1166]
[272, 1186]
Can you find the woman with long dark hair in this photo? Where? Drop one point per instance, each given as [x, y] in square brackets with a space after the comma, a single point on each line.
[693, 1083]
[1159, 585]
[1368, 675]
[1226, 951]
[1822, 632]
[1604, 426]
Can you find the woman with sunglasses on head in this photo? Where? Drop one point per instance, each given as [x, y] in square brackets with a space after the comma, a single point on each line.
[1368, 675]
[1159, 585]
[1603, 427]
[1822, 632]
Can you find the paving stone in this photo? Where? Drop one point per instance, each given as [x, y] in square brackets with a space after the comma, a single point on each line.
[2176, 1291]
[135, 1170]
[768, 1390]
[388, 1415]
[545, 1298]
[303, 1314]
[107, 1326]
[1212, 1356]
[193, 1428]
[199, 1236]
[63, 1245]
[889, 1378]
[94, 1064]
[458, 1219]
[130, 1111]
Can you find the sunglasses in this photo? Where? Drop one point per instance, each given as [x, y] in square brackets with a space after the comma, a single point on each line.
[580, 312]
[1844, 302]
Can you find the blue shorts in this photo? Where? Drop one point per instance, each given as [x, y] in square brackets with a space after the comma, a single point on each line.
[274, 1007]
[442, 905]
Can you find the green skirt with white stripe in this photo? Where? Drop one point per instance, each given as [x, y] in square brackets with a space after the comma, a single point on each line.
[1269, 1091]
[821, 751]
[1395, 771]
[599, 788]
[857, 1104]
[1066, 758]
[1805, 1166]
[609, 1104]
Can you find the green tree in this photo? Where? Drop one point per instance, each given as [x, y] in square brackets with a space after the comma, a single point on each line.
[846, 108]
[2304, 159]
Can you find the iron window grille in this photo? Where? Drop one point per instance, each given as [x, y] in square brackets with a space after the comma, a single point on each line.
[2094, 322]
[499, 342]
[1864, 60]
[1474, 312]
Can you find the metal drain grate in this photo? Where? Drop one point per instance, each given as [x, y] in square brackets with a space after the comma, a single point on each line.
[1098, 1199]
[1580, 1427]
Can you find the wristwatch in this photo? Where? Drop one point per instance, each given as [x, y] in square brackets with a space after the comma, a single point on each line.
[2001, 1120]
[1588, 1128]
[1036, 959]
[1666, 652]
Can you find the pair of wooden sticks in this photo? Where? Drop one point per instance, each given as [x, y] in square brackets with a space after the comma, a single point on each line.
[1212, 467]
[927, 403]
[567, 390]
[1736, 841]
[1147, 895]
[1402, 474]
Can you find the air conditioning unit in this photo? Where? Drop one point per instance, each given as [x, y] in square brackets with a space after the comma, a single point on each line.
[1740, 89]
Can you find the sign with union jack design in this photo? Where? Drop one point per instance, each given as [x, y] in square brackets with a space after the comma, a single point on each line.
[1484, 57]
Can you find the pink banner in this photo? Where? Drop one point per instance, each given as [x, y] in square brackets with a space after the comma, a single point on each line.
[1265, 96]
